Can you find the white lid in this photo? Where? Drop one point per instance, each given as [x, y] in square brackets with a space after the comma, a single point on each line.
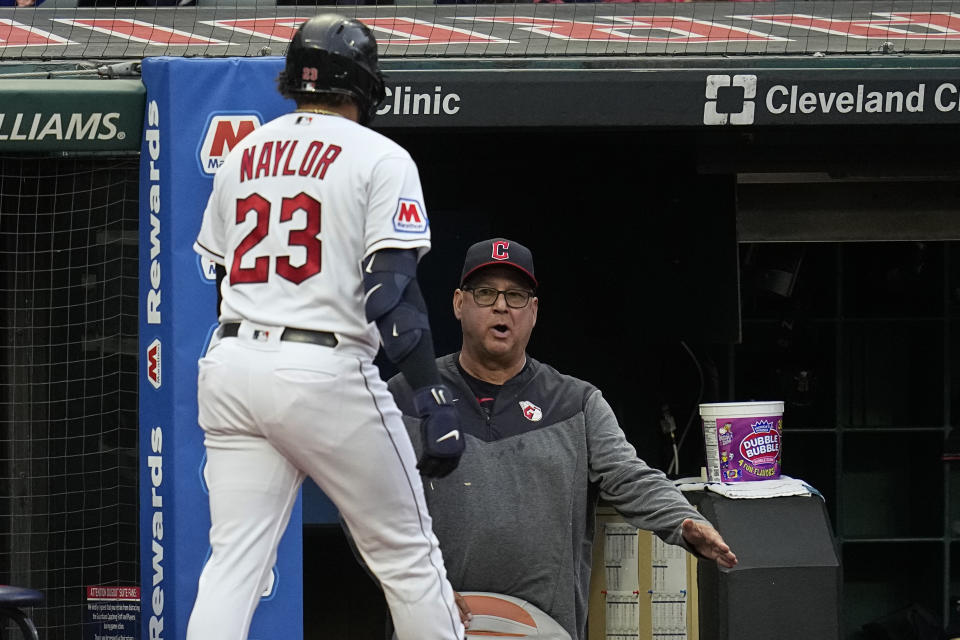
[741, 409]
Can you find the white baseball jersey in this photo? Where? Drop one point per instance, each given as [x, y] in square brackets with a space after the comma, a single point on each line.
[295, 208]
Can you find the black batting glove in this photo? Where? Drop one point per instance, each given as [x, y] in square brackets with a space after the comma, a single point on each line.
[440, 430]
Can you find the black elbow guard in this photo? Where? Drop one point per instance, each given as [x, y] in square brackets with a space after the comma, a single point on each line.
[400, 330]
[393, 300]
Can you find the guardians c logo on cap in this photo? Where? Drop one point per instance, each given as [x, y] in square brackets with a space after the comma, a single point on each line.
[498, 251]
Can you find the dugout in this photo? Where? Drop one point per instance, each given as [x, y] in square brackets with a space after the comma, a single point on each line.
[693, 217]
[843, 233]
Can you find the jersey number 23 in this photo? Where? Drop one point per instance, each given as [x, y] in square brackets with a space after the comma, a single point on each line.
[306, 237]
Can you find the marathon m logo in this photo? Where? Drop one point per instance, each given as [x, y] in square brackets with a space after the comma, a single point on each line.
[208, 269]
[222, 134]
[153, 363]
[269, 588]
[729, 99]
[408, 212]
[409, 217]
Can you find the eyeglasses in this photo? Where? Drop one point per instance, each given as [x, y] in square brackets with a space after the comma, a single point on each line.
[487, 296]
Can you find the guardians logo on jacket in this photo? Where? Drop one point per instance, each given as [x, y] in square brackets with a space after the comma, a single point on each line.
[531, 412]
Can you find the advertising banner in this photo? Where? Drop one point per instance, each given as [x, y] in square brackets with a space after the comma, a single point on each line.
[70, 115]
[718, 97]
[196, 110]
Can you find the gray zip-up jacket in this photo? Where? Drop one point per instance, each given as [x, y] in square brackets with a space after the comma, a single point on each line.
[517, 516]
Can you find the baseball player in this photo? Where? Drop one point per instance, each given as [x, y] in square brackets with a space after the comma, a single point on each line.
[319, 223]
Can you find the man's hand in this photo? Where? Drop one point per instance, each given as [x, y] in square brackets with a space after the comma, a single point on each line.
[465, 614]
[708, 542]
[440, 430]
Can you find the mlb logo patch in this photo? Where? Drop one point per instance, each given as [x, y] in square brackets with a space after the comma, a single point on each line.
[410, 217]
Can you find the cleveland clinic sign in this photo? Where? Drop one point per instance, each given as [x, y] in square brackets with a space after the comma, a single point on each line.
[742, 99]
[782, 99]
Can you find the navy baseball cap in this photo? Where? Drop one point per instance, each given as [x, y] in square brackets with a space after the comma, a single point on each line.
[498, 251]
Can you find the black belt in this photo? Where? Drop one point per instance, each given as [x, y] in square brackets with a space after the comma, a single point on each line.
[322, 338]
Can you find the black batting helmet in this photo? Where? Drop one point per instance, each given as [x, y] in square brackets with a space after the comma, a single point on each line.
[334, 54]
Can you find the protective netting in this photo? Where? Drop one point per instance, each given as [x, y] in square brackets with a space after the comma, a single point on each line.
[97, 30]
[68, 383]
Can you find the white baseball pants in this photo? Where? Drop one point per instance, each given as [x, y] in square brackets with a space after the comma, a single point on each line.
[273, 412]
